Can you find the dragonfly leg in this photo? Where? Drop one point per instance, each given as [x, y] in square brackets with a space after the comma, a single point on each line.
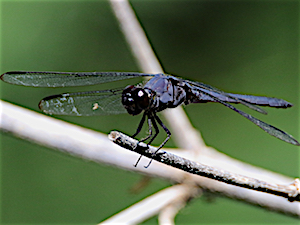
[151, 121]
[156, 118]
[166, 130]
[155, 128]
[137, 162]
[144, 139]
[149, 130]
[138, 130]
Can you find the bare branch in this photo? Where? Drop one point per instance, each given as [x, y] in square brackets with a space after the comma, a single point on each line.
[290, 191]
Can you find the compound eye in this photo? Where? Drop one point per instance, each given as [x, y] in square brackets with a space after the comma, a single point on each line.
[130, 97]
[142, 99]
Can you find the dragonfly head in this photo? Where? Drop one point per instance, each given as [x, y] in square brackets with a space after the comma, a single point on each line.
[135, 99]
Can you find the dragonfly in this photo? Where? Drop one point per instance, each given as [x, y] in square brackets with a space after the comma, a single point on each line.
[162, 91]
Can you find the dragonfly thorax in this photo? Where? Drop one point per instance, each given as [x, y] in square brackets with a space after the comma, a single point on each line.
[135, 99]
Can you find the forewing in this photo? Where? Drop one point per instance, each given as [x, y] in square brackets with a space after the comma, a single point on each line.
[65, 79]
[104, 102]
[212, 89]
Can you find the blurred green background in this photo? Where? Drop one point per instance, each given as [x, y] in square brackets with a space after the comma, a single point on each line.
[248, 47]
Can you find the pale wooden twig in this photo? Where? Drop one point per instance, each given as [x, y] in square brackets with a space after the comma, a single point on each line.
[148, 207]
[87, 144]
[168, 213]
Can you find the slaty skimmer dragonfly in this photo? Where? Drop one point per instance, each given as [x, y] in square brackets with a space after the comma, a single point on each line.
[162, 91]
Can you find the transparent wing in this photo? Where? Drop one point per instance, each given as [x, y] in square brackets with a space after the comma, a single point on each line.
[90, 103]
[223, 94]
[65, 79]
[266, 127]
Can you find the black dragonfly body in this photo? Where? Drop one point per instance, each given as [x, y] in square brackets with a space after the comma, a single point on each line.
[160, 92]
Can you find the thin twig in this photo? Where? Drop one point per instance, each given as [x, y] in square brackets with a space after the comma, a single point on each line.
[149, 206]
[168, 213]
[290, 191]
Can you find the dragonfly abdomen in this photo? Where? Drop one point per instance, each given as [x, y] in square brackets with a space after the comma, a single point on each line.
[255, 100]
